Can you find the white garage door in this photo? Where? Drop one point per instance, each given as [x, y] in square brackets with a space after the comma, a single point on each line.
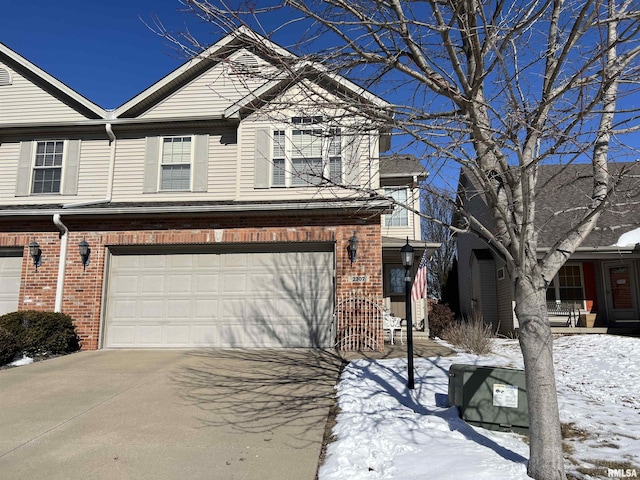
[225, 299]
[10, 271]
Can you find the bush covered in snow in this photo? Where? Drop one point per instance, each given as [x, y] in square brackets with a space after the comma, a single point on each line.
[41, 333]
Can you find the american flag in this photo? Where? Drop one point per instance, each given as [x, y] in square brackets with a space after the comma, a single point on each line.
[419, 289]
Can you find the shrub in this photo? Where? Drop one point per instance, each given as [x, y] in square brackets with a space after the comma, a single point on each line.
[8, 346]
[440, 317]
[41, 333]
[472, 335]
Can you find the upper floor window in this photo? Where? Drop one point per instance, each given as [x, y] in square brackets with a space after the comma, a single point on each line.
[47, 169]
[306, 156]
[175, 163]
[400, 216]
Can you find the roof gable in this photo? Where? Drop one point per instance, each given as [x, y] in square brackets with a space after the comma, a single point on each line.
[245, 44]
[52, 100]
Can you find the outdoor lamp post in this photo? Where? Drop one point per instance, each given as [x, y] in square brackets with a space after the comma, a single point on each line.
[406, 252]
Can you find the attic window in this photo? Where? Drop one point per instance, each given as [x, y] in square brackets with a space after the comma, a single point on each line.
[246, 64]
[5, 77]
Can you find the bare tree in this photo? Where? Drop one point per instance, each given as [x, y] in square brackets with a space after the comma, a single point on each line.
[437, 207]
[497, 87]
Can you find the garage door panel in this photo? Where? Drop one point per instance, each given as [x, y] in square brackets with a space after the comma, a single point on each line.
[206, 283]
[126, 284]
[205, 309]
[249, 299]
[235, 283]
[210, 261]
[179, 309]
[149, 335]
[122, 335]
[177, 335]
[151, 284]
[151, 309]
[178, 283]
[10, 273]
[151, 262]
[231, 261]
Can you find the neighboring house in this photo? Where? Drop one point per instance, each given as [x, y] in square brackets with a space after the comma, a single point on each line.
[601, 280]
[400, 177]
[203, 216]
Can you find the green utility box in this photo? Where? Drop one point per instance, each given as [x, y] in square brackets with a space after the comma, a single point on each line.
[490, 397]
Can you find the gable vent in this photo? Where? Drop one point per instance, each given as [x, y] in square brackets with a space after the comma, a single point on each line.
[246, 63]
[5, 77]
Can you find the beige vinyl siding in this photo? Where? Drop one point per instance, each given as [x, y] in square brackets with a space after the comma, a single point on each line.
[24, 102]
[209, 94]
[129, 172]
[9, 152]
[94, 169]
[92, 174]
[412, 229]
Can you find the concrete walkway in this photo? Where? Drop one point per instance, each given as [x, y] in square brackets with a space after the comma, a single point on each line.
[134, 414]
[422, 347]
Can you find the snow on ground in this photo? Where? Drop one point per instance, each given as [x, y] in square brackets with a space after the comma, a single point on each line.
[21, 361]
[386, 431]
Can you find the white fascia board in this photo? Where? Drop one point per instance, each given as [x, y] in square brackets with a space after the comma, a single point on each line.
[54, 82]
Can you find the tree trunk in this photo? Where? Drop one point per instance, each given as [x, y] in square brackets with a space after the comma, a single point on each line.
[545, 449]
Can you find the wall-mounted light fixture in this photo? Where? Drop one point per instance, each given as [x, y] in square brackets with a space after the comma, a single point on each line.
[85, 251]
[35, 253]
[352, 248]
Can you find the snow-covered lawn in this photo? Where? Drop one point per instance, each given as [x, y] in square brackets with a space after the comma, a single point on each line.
[386, 431]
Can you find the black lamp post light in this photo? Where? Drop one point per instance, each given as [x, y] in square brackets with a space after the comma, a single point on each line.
[352, 248]
[406, 252]
[35, 253]
[85, 251]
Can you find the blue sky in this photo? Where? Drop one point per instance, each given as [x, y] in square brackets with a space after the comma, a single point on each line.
[100, 49]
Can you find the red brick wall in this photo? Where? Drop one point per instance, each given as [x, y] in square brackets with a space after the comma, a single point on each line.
[82, 297]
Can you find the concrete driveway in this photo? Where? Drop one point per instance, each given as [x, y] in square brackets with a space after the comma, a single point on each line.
[209, 414]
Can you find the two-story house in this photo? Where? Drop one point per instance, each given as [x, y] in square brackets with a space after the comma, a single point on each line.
[214, 208]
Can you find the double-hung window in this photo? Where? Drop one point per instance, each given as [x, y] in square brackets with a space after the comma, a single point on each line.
[175, 163]
[306, 155]
[400, 216]
[567, 285]
[47, 170]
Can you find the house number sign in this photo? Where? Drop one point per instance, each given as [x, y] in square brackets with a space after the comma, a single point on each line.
[359, 278]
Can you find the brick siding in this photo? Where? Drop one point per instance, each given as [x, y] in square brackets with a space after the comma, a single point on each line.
[83, 288]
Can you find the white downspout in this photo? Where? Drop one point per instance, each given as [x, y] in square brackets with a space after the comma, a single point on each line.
[64, 242]
[112, 163]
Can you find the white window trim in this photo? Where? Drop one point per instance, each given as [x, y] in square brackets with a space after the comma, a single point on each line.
[556, 283]
[289, 154]
[160, 164]
[387, 216]
[34, 153]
